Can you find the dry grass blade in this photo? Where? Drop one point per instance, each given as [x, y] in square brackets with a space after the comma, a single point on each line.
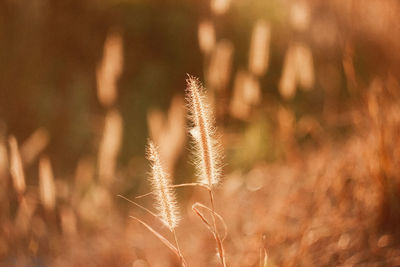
[144, 195]
[191, 184]
[176, 186]
[159, 236]
[205, 221]
[213, 230]
[140, 206]
[197, 204]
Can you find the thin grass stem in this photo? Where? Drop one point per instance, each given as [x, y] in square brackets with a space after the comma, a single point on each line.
[182, 259]
[221, 251]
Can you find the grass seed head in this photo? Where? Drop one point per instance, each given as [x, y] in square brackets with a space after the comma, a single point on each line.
[165, 196]
[206, 145]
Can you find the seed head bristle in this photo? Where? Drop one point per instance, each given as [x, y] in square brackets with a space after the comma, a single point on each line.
[165, 196]
[206, 145]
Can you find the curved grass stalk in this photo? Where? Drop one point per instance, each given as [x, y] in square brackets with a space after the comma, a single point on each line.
[197, 204]
[213, 230]
[165, 241]
[176, 249]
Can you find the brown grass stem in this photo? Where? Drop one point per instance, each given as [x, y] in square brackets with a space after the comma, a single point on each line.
[213, 230]
[182, 259]
[221, 251]
[195, 207]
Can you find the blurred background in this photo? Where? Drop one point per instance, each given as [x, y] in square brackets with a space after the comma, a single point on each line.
[305, 96]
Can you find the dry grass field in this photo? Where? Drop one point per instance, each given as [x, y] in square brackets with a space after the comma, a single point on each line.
[200, 133]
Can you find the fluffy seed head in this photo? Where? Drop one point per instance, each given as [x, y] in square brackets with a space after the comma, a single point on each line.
[165, 196]
[206, 145]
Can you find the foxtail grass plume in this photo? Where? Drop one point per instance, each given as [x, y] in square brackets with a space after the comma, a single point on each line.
[298, 69]
[206, 145]
[16, 168]
[110, 69]
[206, 36]
[46, 184]
[34, 145]
[246, 94]
[219, 7]
[287, 83]
[165, 196]
[300, 15]
[304, 66]
[168, 131]
[219, 70]
[259, 48]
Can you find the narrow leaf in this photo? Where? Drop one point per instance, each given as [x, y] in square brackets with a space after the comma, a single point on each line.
[159, 236]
